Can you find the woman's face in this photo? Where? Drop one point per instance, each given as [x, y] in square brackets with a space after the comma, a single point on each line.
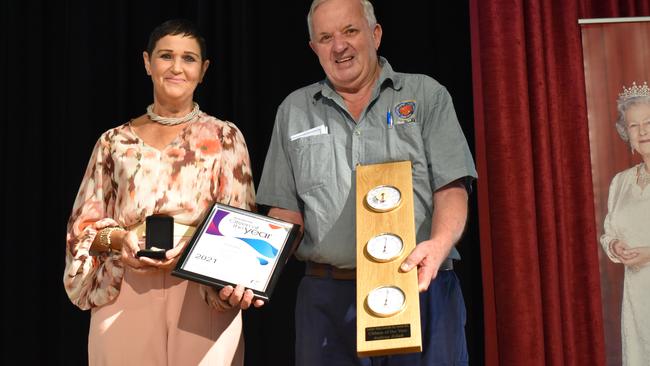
[176, 68]
[637, 117]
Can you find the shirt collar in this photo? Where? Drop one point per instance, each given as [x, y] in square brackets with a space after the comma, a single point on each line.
[387, 78]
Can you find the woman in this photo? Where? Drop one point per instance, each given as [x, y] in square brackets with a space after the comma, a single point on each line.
[174, 160]
[627, 225]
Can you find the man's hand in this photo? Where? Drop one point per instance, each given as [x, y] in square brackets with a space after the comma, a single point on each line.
[427, 256]
[447, 225]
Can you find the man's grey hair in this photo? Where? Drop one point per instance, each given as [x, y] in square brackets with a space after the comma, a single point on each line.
[368, 12]
[622, 105]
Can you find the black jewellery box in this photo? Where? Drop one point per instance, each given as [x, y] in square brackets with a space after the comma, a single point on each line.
[159, 236]
[232, 246]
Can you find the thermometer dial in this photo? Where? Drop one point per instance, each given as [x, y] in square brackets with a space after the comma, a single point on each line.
[385, 301]
[385, 247]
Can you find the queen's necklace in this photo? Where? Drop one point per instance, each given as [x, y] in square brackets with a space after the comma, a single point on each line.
[171, 121]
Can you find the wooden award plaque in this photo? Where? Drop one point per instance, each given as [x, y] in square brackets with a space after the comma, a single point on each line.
[388, 306]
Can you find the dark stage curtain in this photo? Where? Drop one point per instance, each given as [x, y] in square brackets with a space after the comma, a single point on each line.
[538, 237]
[73, 69]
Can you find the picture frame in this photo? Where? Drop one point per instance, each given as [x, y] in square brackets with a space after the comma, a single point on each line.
[233, 246]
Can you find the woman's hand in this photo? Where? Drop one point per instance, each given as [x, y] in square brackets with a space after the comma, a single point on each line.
[130, 246]
[232, 298]
[640, 257]
[171, 257]
[634, 258]
[621, 251]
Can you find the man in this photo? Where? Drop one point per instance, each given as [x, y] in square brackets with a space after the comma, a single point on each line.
[365, 113]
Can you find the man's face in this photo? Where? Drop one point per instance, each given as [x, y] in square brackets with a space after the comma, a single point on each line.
[345, 44]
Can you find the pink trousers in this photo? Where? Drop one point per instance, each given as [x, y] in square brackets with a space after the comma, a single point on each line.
[158, 319]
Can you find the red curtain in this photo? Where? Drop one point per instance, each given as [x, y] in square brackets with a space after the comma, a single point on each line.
[539, 247]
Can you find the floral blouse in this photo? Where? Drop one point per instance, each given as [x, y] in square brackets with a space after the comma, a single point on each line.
[126, 180]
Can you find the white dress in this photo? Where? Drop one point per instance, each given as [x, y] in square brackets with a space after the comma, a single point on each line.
[628, 220]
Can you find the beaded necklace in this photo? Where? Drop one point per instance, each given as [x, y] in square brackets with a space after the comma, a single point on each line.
[171, 121]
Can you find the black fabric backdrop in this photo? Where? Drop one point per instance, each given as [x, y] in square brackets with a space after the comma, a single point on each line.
[72, 69]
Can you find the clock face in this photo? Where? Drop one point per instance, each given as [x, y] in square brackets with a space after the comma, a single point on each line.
[385, 301]
[385, 247]
[383, 198]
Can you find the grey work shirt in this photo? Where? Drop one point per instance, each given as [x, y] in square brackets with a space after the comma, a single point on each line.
[314, 175]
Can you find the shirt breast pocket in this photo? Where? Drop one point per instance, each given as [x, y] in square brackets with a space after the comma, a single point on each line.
[312, 160]
[405, 142]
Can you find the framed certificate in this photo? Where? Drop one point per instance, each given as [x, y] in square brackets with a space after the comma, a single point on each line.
[232, 246]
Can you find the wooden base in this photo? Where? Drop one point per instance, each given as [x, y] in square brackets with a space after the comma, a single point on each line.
[399, 333]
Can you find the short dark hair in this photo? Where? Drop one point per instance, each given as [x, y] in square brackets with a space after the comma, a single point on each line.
[175, 27]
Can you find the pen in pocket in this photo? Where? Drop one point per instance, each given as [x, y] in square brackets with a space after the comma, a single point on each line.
[389, 119]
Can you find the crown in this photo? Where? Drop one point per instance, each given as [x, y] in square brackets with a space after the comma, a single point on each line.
[634, 91]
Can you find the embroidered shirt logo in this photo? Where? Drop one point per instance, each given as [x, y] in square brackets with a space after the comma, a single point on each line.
[405, 112]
